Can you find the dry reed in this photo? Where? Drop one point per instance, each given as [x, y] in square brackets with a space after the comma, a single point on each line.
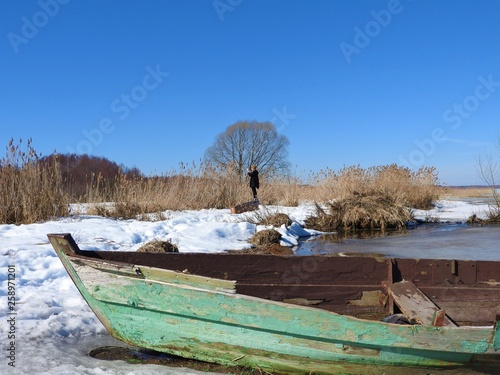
[417, 189]
[375, 212]
[29, 192]
[159, 246]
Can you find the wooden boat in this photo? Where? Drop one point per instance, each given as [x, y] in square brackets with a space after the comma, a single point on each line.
[314, 314]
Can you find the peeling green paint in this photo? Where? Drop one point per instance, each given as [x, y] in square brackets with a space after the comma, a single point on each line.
[496, 336]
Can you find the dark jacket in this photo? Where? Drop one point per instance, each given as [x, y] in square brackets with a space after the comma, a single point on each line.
[254, 178]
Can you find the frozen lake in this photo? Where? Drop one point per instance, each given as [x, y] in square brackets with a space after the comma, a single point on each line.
[446, 238]
[439, 240]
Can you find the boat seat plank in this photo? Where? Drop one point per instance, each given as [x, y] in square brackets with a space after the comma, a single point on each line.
[416, 305]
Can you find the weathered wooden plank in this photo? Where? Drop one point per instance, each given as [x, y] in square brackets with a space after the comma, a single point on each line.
[390, 281]
[332, 292]
[158, 274]
[487, 273]
[472, 313]
[416, 305]
[262, 269]
[462, 293]
[244, 207]
[435, 272]
[342, 299]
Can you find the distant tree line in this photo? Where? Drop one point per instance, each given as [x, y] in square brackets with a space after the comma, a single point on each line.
[79, 172]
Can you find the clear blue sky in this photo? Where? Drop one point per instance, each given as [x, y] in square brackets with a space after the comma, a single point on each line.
[151, 83]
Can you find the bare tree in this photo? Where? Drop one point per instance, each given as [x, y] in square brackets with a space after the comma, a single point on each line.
[246, 143]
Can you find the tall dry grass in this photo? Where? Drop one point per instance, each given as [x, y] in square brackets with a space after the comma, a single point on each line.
[200, 186]
[376, 198]
[417, 189]
[193, 187]
[32, 191]
[29, 192]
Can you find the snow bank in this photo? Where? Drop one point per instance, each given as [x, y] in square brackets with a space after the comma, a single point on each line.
[453, 210]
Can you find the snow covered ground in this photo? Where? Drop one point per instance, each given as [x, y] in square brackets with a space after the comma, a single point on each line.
[50, 330]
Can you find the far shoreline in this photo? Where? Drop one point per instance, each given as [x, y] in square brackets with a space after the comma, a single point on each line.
[467, 191]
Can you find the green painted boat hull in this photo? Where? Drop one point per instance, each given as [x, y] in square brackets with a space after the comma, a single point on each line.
[205, 319]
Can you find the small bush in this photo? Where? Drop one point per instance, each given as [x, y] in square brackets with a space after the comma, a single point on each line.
[277, 220]
[272, 249]
[266, 217]
[493, 214]
[322, 220]
[159, 246]
[361, 213]
[265, 237]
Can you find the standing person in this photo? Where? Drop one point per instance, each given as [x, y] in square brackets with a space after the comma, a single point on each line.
[254, 180]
